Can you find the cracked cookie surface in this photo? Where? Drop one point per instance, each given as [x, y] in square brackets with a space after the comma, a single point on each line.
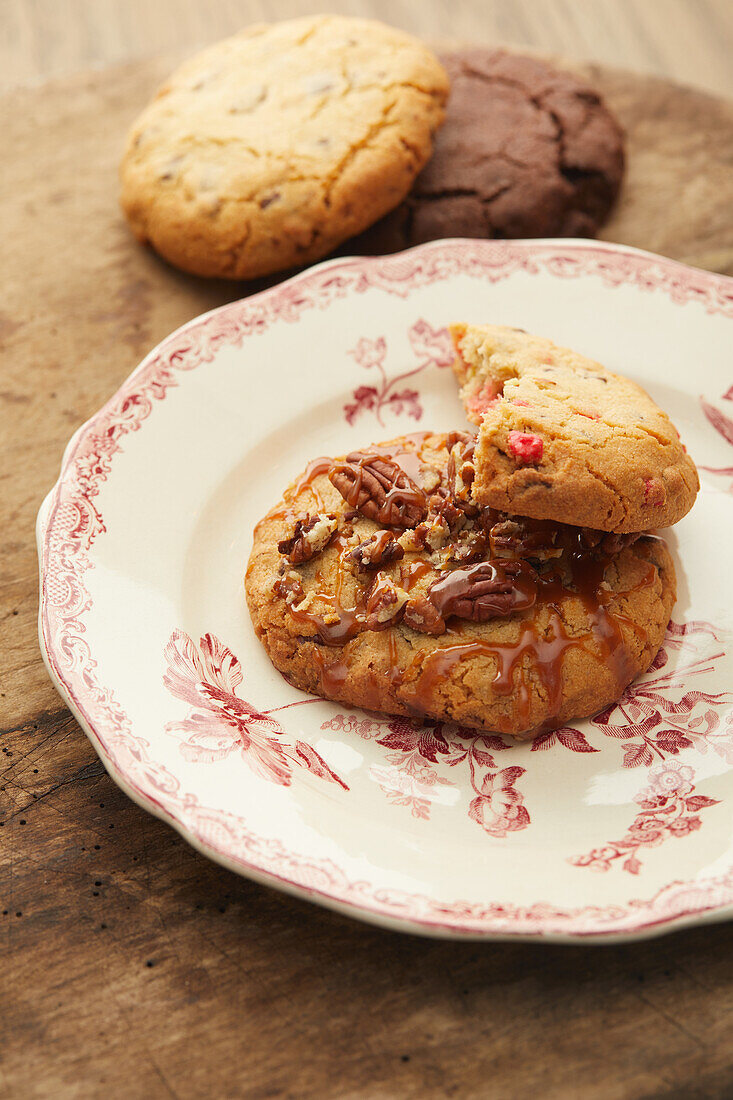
[270, 148]
[562, 438]
[378, 582]
[526, 151]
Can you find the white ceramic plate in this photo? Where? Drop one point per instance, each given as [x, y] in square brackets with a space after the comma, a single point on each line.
[620, 826]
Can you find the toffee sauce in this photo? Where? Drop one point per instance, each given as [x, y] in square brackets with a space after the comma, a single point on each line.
[286, 510]
[546, 652]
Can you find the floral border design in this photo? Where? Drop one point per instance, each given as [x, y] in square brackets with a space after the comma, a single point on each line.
[69, 522]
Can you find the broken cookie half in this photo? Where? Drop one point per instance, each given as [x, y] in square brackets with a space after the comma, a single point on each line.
[561, 438]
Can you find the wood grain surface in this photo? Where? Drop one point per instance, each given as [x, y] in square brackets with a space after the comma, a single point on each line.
[690, 41]
[131, 966]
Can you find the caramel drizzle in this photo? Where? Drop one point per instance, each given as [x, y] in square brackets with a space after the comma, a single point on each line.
[547, 652]
[350, 621]
[314, 469]
[412, 573]
[410, 462]
[333, 676]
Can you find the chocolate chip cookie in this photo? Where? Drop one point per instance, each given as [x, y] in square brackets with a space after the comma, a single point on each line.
[378, 581]
[526, 151]
[562, 438]
[270, 148]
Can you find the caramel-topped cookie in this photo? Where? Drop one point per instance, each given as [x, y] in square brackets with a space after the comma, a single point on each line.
[562, 438]
[270, 148]
[377, 581]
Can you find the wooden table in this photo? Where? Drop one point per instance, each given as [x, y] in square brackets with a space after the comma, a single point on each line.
[690, 41]
[132, 967]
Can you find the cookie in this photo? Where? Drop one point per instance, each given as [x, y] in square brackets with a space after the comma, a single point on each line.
[270, 148]
[378, 582]
[526, 151]
[564, 439]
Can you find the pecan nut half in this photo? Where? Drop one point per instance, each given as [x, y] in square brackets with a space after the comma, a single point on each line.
[311, 534]
[487, 590]
[423, 616]
[379, 489]
[375, 552]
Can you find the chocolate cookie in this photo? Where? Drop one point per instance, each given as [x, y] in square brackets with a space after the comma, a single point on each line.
[526, 151]
[270, 148]
[562, 438]
[378, 582]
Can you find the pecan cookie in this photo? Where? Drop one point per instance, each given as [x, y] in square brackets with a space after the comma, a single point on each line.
[562, 438]
[378, 581]
[526, 151]
[270, 148]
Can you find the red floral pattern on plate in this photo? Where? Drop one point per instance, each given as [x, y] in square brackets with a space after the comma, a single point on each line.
[433, 347]
[69, 523]
[410, 775]
[653, 724]
[648, 718]
[669, 809]
[724, 427]
[207, 677]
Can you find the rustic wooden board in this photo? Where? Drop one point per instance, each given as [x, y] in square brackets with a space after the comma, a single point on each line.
[132, 966]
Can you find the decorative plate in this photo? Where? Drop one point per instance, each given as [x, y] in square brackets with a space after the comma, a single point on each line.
[618, 826]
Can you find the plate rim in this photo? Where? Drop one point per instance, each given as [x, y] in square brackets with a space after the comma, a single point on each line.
[368, 908]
